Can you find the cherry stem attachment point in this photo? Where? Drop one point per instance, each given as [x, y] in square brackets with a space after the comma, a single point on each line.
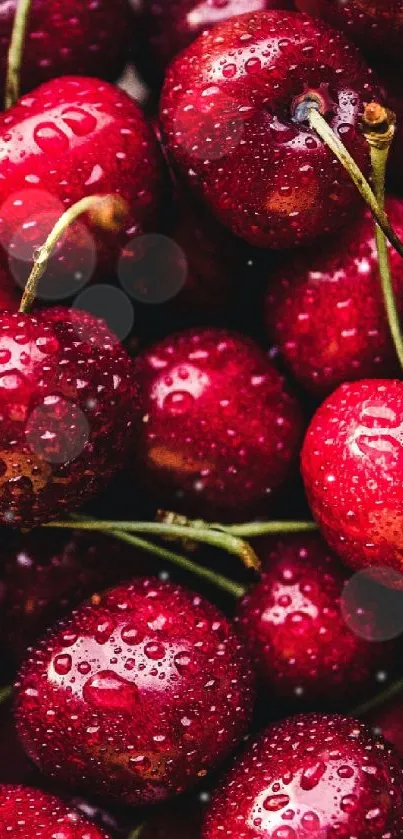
[16, 52]
[379, 128]
[107, 211]
[326, 133]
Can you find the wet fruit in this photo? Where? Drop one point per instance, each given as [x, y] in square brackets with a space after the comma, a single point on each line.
[135, 696]
[234, 116]
[313, 776]
[25, 811]
[66, 389]
[352, 460]
[218, 427]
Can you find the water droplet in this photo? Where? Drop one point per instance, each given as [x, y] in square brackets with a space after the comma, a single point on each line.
[80, 121]
[50, 138]
[311, 776]
[107, 691]
[104, 630]
[276, 802]
[62, 664]
[154, 650]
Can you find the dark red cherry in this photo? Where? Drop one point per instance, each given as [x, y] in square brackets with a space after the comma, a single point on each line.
[376, 26]
[66, 391]
[311, 776]
[293, 621]
[352, 461]
[168, 26]
[74, 137]
[44, 574]
[25, 811]
[69, 36]
[233, 113]
[137, 696]
[324, 307]
[218, 429]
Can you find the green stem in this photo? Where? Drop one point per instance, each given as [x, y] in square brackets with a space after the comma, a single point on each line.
[218, 580]
[380, 699]
[326, 133]
[136, 833]
[208, 536]
[266, 528]
[5, 693]
[15, 53]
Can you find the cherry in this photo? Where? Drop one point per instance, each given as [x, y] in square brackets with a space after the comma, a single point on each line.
[313, 775]
[25, 811]
[69, 36]
[218, 426]
[168, 27]
[74, 137]
[66, 389]
[234, 113]
[377, 27]
[43, 575]
[292, 620]
[324, 307]
[136, 695]
[352, 460]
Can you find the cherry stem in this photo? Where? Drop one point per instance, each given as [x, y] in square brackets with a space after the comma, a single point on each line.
[136, 833]
[15, 53]
[380, 699]
[379, 129]
[326, 133]
[106, 211]
[5, 694]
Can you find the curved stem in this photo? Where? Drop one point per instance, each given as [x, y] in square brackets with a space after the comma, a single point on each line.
[203, 534]
[218, 580]
[106, 211]
[380, 139]
[326, 133]
[5, 694]
[380, 699]
[15, 53]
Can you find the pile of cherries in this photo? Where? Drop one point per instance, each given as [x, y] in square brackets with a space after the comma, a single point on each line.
[207, 335]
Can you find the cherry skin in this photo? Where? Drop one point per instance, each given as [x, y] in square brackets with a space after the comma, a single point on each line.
[352, 459]
[68, 36]
[168, 27]
[233, 113]
[25, 811]
[311, 775]
[66, 390]
[302, 647]
[44, 575]
[324, 308]
[136, 696]
[218, 427]
[376, 27]
[74, 137]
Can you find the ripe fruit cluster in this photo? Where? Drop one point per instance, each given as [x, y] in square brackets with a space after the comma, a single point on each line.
[198, 312]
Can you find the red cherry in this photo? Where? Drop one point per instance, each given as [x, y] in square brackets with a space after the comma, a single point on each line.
[137, 696]
[324, 308]
[74, 137]
[25, 811]
[292, 620]
[168, 27]
[234, 110]
[311, 776]
[218, 427]
[43, 575]
[66, 390]
[69, 36]
[352, 461]
[387, 722]
[377, 27]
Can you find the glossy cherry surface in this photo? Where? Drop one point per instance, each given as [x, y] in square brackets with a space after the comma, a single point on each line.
[43, 575]
[68, 36]
[376, 26]
[324, 307]
[233, 114]
[66, 389]
[352, 459]
[292, 619]
[311, 776]
[218, 427]
[168, 27]
[70, 138]
[25, 811]
[137, 695]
